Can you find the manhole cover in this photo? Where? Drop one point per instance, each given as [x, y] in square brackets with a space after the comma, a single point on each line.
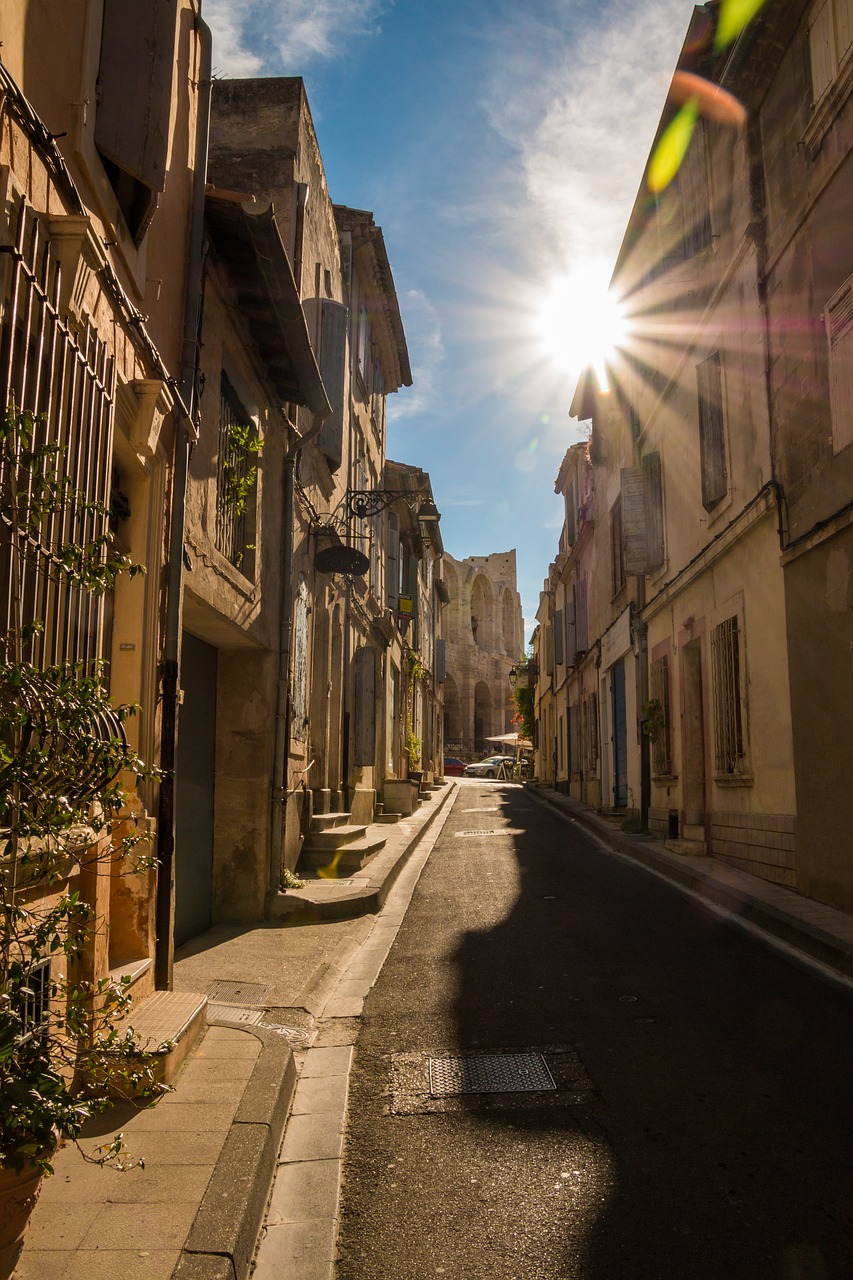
[233, 1013]
[505, 1079]
[489, 1073]
[238, 992]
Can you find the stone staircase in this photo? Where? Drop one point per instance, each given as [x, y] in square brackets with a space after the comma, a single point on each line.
[337, 846]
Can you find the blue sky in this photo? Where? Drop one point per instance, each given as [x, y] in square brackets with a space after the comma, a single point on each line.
[499, 146]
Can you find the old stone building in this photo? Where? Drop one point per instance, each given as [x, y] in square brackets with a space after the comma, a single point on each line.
[713, 548]
[484, 634]
[102, 153]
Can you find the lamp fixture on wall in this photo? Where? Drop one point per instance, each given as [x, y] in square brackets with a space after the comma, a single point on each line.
[369, 502]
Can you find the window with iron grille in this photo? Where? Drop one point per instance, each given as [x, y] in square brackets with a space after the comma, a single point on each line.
[68, 381]
[726, 659]
[236, 482]
[712, 436]
[661, 743]
[31, 1001]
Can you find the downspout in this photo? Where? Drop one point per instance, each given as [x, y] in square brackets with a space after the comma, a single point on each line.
[164, 953]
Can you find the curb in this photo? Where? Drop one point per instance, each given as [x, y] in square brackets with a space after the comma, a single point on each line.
[221, 1241]
[805, 936]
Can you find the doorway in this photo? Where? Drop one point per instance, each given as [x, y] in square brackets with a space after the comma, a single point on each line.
[195, 772]
[694, 737]
[620, 735]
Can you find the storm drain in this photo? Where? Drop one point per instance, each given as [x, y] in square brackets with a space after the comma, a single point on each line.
[222, 992]
[483, 832]
[233, 1013]
[489, 1073]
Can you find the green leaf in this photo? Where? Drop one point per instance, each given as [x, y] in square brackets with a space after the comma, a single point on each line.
[734, 16]
[672, 147]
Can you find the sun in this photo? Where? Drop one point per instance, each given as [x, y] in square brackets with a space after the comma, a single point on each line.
[580, 323]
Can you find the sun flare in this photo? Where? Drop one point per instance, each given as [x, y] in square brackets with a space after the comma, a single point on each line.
[580, 323]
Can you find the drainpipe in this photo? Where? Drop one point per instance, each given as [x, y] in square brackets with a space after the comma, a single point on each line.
[164, 953]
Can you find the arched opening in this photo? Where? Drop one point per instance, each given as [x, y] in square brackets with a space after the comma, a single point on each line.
[453, 734]
[482, 716]
[481, 612]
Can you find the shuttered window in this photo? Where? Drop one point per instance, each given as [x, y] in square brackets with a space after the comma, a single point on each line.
[617, 553]
[712, 444]
[729, 719]
[392, 563]
[332, 361]
[558, 637]
[830, 38]
[653, 495]
[365, 706]
[134, 101]
[695, 194]
[839, 329]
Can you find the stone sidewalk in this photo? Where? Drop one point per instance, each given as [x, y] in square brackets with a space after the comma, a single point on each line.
[211, 1147]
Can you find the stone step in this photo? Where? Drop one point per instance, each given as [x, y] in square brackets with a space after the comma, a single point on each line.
[168, 1025]
[332, 839]
[388, 818]
[338, 864]
[328, 821]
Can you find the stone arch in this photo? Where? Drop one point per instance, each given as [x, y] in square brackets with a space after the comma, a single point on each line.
[482, 606]
[451, 581]
[453, 727]
[483, 725]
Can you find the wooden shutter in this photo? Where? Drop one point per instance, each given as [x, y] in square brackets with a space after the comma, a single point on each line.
[440, 661]
[653, 486]
[822, 50]
[634, 533]
[392, 578]
[134, 101]
[558, 637]
[365, 706]
[839, 326]
[332, 361]
[712, 443]
[571, 630]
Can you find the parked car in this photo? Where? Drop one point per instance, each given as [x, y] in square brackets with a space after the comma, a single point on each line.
[453, 767]
[491, 767]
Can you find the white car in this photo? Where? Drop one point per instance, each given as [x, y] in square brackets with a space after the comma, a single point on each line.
[491, 767]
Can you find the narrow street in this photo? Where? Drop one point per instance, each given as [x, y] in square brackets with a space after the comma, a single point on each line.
[700, 1122]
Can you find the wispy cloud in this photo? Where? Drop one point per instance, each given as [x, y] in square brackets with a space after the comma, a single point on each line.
[284, 37]
[587, 118]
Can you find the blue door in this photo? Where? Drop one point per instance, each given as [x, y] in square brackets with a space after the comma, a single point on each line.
[620, 735]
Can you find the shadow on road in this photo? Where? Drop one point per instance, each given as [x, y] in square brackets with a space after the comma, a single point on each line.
[717, 1141]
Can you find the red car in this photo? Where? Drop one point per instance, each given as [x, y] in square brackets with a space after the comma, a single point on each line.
[453, 767]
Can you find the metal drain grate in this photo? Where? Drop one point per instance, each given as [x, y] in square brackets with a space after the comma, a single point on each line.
[238, 992]
[233, 1013]
[485, 832]
[489, 1073]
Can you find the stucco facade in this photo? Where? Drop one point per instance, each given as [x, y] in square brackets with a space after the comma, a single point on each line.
[708, 521]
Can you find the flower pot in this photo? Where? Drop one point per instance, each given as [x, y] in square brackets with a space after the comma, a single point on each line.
[18, 1195]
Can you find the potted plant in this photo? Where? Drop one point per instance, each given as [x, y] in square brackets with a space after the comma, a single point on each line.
[65, 767]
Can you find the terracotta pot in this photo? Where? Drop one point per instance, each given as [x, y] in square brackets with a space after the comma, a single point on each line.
[18, 1195]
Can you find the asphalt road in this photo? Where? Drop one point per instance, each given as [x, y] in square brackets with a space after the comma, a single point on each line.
[702, 1123]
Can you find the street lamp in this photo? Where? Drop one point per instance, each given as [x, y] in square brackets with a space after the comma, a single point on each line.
[369, 502]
